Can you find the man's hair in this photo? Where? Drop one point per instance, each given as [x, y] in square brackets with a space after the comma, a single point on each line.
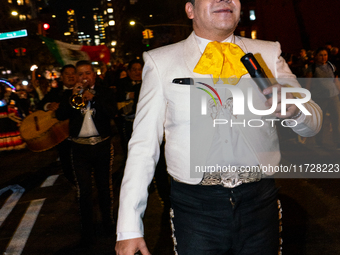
[316, 52]
[135, 61]
[67, 66]
[84, 63]
[191, 1]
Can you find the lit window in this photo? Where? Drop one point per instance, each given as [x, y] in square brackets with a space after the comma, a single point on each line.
[253, 34]
[243, 33]
[111, 23]
[20, 2]
[110, 16]
[95, 17]
[105, 12]
[9, 1]
[109, 4]
[22, 17]
[27, 1]
[252, 15]
[109, 10]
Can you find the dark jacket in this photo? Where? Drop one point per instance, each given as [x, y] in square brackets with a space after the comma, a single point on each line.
[105, 106]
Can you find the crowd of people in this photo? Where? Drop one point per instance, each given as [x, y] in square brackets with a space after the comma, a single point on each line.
[88, 152]
[323, 64]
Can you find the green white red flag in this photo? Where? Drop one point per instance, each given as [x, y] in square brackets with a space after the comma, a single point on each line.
[66, 53]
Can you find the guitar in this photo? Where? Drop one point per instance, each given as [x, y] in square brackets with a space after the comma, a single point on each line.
[42, 130]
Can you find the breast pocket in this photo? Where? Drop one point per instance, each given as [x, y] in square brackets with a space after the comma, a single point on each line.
[178, 100]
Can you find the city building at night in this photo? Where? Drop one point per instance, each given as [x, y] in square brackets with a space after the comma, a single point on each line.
[99, 34]
[72, 26]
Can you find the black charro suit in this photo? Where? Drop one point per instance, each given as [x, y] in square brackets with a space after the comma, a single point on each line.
[125, 120]
[54, 95]
[96, 158]
[105, 107]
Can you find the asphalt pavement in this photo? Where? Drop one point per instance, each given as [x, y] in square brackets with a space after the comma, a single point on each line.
[39, 211]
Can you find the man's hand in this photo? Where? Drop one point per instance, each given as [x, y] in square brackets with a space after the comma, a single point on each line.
[131, 246]
[292, 110]
[52, 106]
[78, 88]
[88, 96]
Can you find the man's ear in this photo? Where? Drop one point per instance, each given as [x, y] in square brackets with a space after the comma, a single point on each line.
[189, 9]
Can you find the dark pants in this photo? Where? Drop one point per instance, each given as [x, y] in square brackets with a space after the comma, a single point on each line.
[96, 159]
[212, 220]
[65, 155]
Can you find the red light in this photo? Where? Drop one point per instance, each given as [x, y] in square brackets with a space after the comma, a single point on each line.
[23, 50]
[46, 26]
[252, 63]
[16, 50]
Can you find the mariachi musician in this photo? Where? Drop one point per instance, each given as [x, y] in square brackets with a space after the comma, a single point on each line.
[90, 133]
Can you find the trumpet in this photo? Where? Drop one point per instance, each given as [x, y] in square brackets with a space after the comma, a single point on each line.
[77, 101]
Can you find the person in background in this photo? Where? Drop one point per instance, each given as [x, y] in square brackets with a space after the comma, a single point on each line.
[51, 102]
[40, 83]
[90, 134]
[128, 89]
[334, 58]
[325, 92]
[11, 116]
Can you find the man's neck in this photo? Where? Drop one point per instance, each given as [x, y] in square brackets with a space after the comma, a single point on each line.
[214, 37]
[228, 38]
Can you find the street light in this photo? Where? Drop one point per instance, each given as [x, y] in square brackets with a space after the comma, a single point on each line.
[14, 13]
[132, 22]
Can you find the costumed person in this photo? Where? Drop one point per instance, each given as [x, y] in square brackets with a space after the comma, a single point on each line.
[90, 134]
[221, 213]
[10, 120]
[51, 102]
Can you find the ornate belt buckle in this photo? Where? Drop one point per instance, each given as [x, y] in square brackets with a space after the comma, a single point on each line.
[93, 140]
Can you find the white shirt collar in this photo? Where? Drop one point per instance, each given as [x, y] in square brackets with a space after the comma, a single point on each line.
[202, 42]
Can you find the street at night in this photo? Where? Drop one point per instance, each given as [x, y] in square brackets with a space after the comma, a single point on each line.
[45, 220]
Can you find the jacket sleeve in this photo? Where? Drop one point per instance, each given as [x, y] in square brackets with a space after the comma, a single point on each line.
[65, 109]
[107, 99]
[144, 150]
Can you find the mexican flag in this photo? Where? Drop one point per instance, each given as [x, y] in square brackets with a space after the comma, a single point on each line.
[66, 53]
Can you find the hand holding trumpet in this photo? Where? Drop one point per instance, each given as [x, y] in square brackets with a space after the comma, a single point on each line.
[81, 95]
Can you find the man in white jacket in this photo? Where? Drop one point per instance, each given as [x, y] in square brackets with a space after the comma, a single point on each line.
[211, 214]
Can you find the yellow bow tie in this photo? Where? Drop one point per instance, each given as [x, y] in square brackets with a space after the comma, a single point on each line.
[222, 60]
